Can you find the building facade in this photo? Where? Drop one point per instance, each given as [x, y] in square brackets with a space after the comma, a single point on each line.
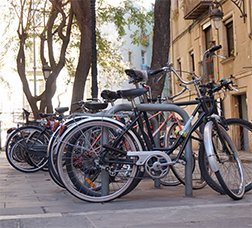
[193, 32]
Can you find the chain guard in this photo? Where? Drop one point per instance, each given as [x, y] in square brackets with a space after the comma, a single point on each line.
[157, 166]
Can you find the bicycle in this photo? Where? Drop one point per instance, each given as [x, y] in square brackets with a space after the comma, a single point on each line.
[88, 108]
[108, 171]
[167, 128]
[26, 146]
[199, 178]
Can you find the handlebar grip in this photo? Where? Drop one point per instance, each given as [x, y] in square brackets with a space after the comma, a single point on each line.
[214, 48]
[154, 72]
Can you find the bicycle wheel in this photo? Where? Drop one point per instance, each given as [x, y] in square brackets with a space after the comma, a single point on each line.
[223, 160]
[169, 138]
[178, 169]
[82, 169]
[26, 148]
[52, 145]
[51, 151]
[240, 132]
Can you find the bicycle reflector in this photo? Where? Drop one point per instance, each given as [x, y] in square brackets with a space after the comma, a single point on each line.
[62, 129]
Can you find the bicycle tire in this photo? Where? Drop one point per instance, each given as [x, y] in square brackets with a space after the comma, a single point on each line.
[178, 169]
[51, 159]
[52, 152]
[19, 145]
[244, 152]
[169, 137]
[86, 186]
[223, 160]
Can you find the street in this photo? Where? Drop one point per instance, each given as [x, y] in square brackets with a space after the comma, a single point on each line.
[34, 200]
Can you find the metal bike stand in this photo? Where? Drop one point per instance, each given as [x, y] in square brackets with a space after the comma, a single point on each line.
[104, 173]
[185, 117]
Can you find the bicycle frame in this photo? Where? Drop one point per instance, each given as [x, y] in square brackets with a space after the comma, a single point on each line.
[184, 135]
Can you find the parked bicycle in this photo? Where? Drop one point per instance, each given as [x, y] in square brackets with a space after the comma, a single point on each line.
[26, 146]
[102, 159]
[87, 108]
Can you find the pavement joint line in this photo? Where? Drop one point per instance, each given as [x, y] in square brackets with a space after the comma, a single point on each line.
[163, 208]
[189, 207]
[29, 216]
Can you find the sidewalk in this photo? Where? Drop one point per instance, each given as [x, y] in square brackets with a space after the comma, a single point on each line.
[34, 200]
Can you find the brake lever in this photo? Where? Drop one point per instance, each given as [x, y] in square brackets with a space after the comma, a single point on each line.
[220, 56]
[231, 87]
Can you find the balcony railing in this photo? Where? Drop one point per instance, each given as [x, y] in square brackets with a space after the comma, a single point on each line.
[195, 8]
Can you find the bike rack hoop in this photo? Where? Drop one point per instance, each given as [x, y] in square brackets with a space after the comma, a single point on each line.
[185, 117]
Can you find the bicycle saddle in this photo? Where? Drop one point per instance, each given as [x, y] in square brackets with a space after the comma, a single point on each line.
[136, 75]
[132, 93]
[61, 110]
[109, 95]
[95, 106]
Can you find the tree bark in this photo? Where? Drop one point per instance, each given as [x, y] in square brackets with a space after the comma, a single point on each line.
[161, 43]
[53, 31]
[63, 31]
[82, 13]
[22, 74]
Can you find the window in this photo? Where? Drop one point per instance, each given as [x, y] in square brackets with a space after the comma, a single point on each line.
[179, 66]
[192, 62]
[208, 66]
[230, 38]
[177, 88]
[143, 57]
[208, 37]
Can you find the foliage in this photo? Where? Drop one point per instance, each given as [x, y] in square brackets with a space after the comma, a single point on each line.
[50, 22]
[127, 14]
[123, 15]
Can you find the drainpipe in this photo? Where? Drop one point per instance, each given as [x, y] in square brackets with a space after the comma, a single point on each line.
[250, 18]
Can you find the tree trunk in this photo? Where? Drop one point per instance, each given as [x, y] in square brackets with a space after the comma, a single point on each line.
[161, 43]
[22, 74]
[63, 31]
[82, 12]
[54, 30]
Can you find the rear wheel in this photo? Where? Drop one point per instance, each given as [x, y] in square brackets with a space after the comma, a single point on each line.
[52, 148]
[178, 169]
[85, 173]
[26, 148]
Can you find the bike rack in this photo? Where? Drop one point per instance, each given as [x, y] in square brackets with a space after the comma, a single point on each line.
[188, 148]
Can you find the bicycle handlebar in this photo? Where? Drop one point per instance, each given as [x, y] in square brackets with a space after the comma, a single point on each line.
[154, 72]
[226, 84]
[179, 93]
[170, 68]
[213, 49]
[140, 76]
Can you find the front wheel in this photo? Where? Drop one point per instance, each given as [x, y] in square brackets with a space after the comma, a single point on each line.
[223, 160]
[240, 132]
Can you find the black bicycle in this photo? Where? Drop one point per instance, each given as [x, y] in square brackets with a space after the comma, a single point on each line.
[26, 146]
[101, 159]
